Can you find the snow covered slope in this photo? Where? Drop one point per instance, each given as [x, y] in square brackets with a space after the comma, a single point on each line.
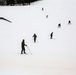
[55, 56]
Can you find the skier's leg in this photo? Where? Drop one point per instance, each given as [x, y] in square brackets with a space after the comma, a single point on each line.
[34, 39]
[22, 51]
[51, 37]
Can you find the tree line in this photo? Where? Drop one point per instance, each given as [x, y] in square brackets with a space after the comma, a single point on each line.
[16, 2]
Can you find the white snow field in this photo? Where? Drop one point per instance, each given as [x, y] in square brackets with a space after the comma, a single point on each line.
[55, 56]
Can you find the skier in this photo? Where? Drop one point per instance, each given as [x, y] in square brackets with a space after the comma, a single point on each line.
[23, 46]
[59, 25]
[46, 16]
[35, 36]
[42, 9]
[69, 22]
[51, 35]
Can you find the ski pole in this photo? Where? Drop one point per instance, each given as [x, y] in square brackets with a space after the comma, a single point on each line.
[29, 50]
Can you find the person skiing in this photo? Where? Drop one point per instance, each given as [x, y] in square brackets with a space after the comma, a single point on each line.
[51, 35]
[35, 36]
[42, 8]
[59, 25]
[46, 16]
[23, 46]
[69, 22]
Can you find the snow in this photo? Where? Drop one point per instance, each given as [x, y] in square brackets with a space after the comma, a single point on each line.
[55, 56]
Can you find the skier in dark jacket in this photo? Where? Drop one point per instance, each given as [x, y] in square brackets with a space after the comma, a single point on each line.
[42, 9]
[51, 35]
[46, 16]
[23, 47]
[59, 25]
[69, 22]
[35, 36]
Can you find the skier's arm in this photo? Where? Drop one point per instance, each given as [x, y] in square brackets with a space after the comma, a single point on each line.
[25, 45]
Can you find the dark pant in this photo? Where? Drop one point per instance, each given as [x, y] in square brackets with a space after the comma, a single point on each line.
[23, 50]
[34, 39]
